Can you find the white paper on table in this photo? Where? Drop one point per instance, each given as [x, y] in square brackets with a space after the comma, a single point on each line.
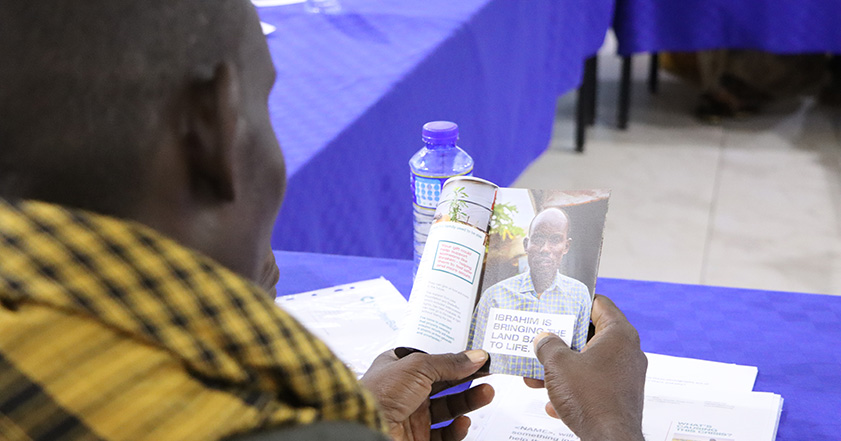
[358, 321]
[692, 373]
[264, 3]
[706, 415]
[267, 28]
[680, 392]
[516, 412]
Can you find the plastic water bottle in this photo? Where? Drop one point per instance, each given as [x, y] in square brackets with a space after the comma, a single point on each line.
[437, 161]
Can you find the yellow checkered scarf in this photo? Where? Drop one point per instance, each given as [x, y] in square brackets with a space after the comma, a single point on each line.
[75, 286]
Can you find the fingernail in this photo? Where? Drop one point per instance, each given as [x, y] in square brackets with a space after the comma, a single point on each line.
[540, 337]
[477, 355]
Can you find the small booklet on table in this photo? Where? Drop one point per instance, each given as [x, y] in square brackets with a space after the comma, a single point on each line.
[502, 265]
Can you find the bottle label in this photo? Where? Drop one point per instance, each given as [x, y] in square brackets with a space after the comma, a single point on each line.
[426, 190]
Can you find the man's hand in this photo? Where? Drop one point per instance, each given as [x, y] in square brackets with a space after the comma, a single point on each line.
[598, 392]
[403, 387]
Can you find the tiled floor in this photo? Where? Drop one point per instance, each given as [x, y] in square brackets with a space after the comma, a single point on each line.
[753, 203]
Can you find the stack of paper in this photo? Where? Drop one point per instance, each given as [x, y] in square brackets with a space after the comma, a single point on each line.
[685, 400]
[269, 28]
[266, 3]
[358, 321]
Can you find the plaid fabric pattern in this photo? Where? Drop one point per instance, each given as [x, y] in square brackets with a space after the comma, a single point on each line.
[109, 330]
[565, 296]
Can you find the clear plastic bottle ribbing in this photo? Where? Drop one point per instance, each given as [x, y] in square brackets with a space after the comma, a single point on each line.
[440, 159]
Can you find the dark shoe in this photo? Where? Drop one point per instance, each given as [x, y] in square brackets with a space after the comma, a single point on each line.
[713, 108]
[743, 91]
[830, 96]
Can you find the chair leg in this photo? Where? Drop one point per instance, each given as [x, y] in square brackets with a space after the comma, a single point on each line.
[580, 119]
[654, 73]
[585, 112]
[624, 93]
[591, 75]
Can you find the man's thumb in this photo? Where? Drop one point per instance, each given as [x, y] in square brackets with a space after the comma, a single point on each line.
[449, 367]
[548, 346]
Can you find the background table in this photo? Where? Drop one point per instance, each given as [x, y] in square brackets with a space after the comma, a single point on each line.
[354, 89]
[781, 26]
[794, 339]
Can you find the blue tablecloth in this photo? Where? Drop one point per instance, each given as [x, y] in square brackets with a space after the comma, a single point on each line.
[780, 26]
[794, 339]
[354, 89]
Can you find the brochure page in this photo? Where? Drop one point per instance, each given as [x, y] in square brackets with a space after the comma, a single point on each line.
[449, 273]
[540, 274]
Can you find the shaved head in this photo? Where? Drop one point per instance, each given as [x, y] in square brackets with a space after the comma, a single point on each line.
[554, 213]
[546, 246]
[150, 110]
[87, 89]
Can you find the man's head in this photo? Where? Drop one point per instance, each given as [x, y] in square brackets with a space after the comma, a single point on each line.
[151, 110]
[547, 243]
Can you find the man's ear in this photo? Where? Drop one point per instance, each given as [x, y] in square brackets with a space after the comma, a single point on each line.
[525, 244]
[213, 110]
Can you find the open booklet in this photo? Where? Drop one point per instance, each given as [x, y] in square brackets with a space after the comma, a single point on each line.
[502, 265]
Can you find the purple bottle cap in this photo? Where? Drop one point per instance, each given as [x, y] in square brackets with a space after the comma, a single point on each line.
[440, 132]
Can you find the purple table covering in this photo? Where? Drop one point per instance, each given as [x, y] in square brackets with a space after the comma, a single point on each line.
[794, 339]
[780, 26]
[354, 89]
